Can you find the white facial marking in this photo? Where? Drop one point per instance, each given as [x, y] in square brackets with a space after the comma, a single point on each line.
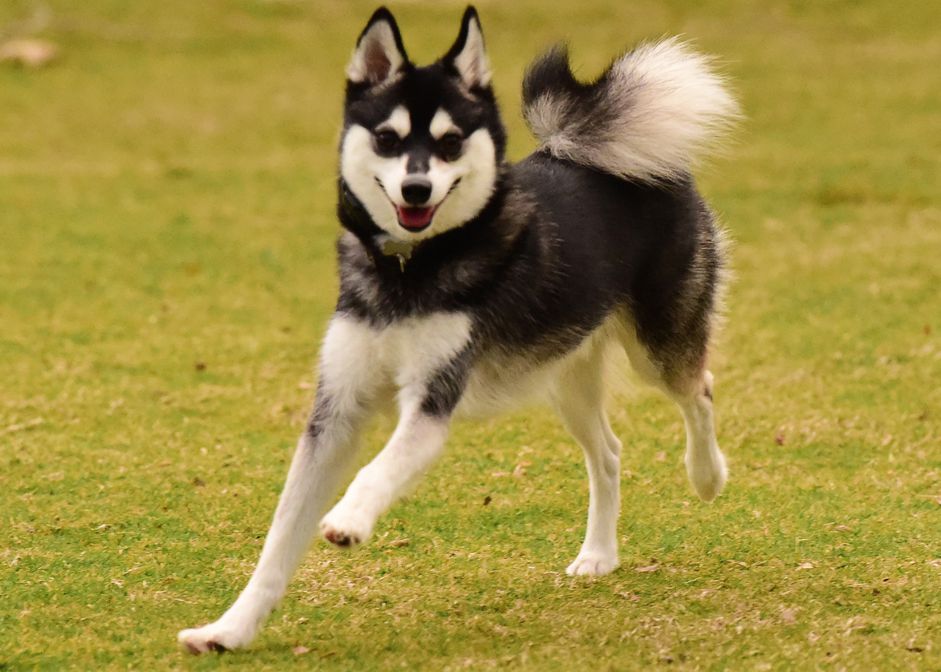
[360, 166]
[442, 123]
[399, 121]
[477, 170]
[456, 202]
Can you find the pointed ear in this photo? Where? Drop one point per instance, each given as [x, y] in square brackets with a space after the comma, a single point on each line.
[468, 55]
[379, 54]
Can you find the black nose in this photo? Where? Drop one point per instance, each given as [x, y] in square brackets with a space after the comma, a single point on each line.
[416, 189]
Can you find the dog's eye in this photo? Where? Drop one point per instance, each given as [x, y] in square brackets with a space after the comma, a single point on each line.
[450, 146]
[387, 141]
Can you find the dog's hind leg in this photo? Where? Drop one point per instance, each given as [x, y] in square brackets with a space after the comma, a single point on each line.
[321, 459]
[578, 399]
[691, 388]
[705, 463]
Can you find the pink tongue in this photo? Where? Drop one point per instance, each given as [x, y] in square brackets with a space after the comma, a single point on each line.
[415, 218]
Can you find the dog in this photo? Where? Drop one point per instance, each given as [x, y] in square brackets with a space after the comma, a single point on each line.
[469, 285]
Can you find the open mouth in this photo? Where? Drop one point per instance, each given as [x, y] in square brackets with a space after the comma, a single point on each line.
[415, 219]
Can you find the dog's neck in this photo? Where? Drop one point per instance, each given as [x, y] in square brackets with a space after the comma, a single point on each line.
[388, 252]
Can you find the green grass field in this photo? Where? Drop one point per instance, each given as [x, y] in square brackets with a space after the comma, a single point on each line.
[167, 270]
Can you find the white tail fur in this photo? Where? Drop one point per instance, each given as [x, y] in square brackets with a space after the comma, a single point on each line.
[649, 117]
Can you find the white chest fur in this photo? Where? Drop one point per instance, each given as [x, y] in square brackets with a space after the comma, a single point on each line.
[404, 354]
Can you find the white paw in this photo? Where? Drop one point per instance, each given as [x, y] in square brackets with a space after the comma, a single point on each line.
[346, 526]
[593, 563]
[216, 636]
[708, 476]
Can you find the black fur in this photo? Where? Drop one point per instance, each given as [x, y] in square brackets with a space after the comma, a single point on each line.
[383, 14]
[422, 91]
[558, 249]
[445, 388]
[591, 107]
[548, 273]
[549, 72]
[470, 14]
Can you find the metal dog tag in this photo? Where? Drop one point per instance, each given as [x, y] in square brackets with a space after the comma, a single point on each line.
[397, 248]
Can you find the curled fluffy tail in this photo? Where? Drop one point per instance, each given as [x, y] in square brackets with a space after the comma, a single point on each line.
[647, 118]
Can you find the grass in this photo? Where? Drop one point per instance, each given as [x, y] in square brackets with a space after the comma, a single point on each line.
[166, 271]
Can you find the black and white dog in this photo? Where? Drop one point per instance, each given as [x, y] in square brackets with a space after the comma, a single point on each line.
[468, 285]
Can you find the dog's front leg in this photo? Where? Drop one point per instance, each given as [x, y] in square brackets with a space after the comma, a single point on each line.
[414, 446]
[322, 456]
[426, 408]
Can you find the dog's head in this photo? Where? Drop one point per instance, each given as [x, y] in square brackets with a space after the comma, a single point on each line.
[422, 146]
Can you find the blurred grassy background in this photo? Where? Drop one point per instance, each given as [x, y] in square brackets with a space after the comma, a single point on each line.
[166, 271]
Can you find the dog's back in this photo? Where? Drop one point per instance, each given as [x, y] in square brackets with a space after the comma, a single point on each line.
[613, 175]
[652, 250]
